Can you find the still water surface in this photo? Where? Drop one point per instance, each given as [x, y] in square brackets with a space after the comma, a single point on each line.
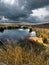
[15, 35]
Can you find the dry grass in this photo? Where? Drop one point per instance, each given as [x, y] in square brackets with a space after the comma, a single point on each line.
[43, 33]
[25, 53]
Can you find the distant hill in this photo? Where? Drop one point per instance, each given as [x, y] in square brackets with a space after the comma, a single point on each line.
[45, 25]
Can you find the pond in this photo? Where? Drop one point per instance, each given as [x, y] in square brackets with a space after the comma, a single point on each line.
[16, 35]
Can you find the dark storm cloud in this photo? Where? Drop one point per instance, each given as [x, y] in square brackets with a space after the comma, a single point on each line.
[13, 11]
[20, 8]
[32, 4]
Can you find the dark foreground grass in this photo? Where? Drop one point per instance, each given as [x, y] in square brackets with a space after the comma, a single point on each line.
[25, 53]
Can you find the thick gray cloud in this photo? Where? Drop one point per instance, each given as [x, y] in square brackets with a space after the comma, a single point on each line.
[15, 10]
[36, 3]
[21, 9]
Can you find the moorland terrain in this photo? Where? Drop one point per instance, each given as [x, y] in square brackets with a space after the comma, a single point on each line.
[29, 51]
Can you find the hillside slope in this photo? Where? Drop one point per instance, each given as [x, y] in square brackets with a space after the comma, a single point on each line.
[46, 25]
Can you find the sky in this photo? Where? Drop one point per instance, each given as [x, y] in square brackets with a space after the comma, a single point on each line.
[32, 11]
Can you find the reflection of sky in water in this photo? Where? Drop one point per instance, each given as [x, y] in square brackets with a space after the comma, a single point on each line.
[17, 34]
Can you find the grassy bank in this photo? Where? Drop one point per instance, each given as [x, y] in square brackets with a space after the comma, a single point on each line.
[25, 53]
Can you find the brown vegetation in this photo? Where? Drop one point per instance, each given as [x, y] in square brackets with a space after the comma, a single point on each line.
[46, 25]
[35, 39]
[25, 53]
